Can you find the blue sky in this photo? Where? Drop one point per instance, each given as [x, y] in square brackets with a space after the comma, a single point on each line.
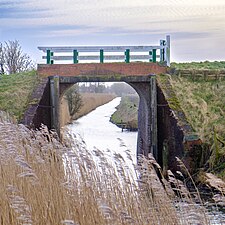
[197, 27]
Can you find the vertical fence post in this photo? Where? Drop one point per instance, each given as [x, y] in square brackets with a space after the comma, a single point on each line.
[154, 55]
[101, 55]
[52, 61]
[150, 56]
[127, 55]
[75, 56]
[162, 50]
[48, 56]
[167, 57]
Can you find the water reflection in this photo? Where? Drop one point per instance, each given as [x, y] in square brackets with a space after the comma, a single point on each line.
[97, 131]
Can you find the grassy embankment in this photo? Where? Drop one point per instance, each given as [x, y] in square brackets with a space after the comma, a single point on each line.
[126, 113]
[15, 90]
[90, 101]
[203, 101]
[200, 65]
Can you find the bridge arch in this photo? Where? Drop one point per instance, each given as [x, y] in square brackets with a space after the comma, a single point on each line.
[145, 86]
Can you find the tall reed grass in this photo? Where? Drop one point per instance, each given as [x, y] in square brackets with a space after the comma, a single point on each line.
[46, 182]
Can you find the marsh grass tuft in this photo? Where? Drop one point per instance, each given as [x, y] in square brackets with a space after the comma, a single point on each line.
[46, 182]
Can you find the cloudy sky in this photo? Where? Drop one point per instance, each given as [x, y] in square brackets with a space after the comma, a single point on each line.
[197, 27]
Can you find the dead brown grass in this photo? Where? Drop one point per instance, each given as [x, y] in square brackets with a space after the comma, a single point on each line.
[46, 182]
[90, 101]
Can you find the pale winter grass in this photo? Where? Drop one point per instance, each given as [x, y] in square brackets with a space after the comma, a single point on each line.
[203, 103]
[15, 90]
[46, 182]
[91, 101]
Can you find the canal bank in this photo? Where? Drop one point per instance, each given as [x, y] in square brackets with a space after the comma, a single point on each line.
[126, 114]
[89, 102]
[98, 132]
[110, 140]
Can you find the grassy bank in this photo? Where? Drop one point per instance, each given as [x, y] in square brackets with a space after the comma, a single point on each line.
[200, 65]
[202, 100]
[203, 104]
[15, 90]
[90, 101]
[126, 112]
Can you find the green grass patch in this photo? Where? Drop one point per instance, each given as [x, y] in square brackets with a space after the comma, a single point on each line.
[15, 90]
[200, 65]
[203, 102]
[127, 111]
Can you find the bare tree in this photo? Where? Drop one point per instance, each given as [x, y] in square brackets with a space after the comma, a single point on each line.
[2, 59]
[74, 100]
[14, 58]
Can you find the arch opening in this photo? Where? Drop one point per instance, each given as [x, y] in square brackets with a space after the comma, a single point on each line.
[101, 91]
[147, 110]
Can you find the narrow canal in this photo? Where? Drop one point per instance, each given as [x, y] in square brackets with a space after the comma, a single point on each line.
[98, 132]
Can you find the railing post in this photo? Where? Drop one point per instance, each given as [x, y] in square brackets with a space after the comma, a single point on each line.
[167, 57]
[48, 56]
[150, 56]
[162, 50]
[75, 56]
[52, 61]
[127, 55]
[101, 55]
[154, 55]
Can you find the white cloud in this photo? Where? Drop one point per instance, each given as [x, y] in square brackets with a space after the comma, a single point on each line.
[117, 12]
[193, 19]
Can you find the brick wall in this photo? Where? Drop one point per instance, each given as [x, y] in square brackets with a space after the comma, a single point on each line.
[124, 69]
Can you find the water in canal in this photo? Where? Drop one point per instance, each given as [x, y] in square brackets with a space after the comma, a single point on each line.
[98, 132]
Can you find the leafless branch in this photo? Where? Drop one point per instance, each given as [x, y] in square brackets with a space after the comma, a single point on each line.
[14, 58]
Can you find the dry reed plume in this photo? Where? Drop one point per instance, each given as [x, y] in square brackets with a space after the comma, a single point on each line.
[46, 182]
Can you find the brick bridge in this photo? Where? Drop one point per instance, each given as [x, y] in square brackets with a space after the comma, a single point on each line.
[138, 68]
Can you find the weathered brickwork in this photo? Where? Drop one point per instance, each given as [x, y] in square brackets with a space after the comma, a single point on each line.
[124, 69]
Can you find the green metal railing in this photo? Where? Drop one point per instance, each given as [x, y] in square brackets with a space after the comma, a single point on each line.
[153, 54]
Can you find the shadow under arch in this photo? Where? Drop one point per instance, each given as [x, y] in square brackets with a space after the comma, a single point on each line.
[145, 87]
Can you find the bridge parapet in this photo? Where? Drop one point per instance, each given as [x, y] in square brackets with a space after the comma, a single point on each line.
[75, 54]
